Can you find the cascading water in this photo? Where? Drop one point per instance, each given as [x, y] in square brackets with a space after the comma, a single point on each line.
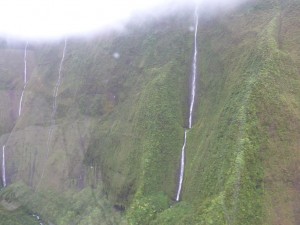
[25, 78]
[181, 167]
[3, 167]
[54, 107]
[191, 108]
[193, 91]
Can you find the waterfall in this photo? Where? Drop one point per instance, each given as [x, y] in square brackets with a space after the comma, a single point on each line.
[3, 167]
[25, 78]
[191, 108]
[181, 167]
[55, 91]
[20, 110]
[193, 91]
[54, 107]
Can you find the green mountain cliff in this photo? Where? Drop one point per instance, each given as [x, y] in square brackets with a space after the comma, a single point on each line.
[122, 107]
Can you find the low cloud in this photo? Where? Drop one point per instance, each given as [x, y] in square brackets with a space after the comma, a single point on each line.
[48, 19]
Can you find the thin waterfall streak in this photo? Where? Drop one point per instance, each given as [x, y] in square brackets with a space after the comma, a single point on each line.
[58, 83]
[20, 103]
[193, 91]
[181, 167]
[25, 78]
[54, 108]
[191, 108]
[3, 167]
[50, 134]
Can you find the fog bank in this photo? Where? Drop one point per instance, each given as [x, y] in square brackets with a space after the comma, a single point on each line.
[48, 19]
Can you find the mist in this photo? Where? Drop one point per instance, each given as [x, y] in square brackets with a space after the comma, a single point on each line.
[50, 19]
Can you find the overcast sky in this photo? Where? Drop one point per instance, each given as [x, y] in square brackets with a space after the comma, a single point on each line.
[56, 18]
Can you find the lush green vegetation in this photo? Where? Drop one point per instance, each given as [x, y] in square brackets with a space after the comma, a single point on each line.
[85, 207]
[16, 217]
[115, 152]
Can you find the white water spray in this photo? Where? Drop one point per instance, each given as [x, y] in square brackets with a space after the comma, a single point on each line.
[3, 167]
[54, 107]
[25, 79]
[192, 94]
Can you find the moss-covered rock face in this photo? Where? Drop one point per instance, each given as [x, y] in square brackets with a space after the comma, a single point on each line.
[113, 154]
